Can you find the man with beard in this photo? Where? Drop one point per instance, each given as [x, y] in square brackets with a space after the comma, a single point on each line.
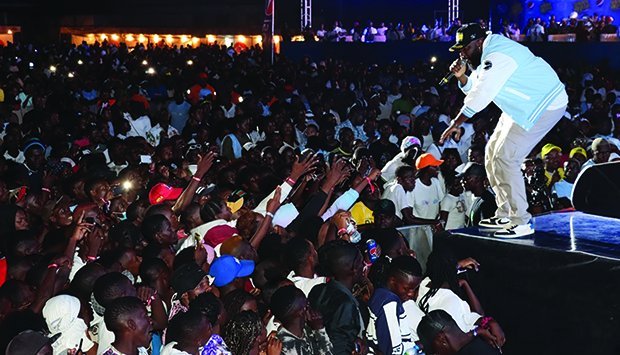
[532, 99]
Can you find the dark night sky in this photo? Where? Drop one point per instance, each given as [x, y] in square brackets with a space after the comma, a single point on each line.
[213, 16]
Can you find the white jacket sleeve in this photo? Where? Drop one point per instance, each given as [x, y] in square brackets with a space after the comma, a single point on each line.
[344, 202]
[492, 75]
[470, 82]
[285, 189]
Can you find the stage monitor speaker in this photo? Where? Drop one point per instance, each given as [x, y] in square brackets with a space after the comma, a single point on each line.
[597, 190]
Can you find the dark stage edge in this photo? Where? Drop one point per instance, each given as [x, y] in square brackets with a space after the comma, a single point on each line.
[556, 292]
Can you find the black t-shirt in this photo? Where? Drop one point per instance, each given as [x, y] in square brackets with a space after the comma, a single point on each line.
[483, 207]
[478, 347]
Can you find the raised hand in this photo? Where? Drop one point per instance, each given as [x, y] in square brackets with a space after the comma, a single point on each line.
[205, 163]
[301, 167]
[274, 203]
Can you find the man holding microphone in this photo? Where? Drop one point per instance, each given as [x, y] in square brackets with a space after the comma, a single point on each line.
[532, 99]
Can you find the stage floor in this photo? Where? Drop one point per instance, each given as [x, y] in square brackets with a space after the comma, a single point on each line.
[572, 231]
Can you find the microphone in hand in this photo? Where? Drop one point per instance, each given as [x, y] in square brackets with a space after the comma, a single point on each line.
[446, 79]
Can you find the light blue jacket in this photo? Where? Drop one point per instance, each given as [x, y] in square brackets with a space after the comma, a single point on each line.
[519, 83]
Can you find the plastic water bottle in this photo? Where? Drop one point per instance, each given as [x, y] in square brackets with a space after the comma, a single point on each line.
[416, 350]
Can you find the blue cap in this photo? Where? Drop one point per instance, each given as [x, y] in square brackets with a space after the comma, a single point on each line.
[226, 268]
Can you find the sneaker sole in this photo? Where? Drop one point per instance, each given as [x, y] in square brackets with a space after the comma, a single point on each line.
[494, 226]
[513, 236]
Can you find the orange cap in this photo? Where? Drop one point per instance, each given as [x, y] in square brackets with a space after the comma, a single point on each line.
[425, 160]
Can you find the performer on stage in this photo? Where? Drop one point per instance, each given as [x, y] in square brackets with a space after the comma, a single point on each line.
[533, 100]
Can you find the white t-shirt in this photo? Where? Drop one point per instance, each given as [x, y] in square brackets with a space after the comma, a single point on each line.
[426, 199]
[448, 301]
[397, 194]
[169, 349]
[563, 188]
[20, 158]
[455, 206]
[138, 127]
[435, 151]
[413, 316]
[385, 111]
[305, 284]
[388, 173]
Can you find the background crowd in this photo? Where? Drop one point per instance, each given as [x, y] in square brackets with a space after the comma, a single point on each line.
[586, 28]
[196, 200]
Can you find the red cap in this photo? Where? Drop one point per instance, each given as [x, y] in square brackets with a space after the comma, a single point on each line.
[162, 192]
[218, 234]
[426, 160]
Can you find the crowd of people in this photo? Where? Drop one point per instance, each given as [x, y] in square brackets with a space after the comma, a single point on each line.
[199, 201]
[384, 32]
[586, 28]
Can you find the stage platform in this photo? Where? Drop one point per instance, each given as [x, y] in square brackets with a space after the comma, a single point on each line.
[569, 231]
[556, 292]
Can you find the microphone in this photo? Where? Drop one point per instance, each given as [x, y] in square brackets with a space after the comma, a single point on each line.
[446, 79]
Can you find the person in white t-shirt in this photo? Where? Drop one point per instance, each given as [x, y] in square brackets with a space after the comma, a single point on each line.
[301, 258]
[563, 189]
[186, 333]
[127, 318]
[442, 290]
[399, 191]
[452, 207]
[428, 192]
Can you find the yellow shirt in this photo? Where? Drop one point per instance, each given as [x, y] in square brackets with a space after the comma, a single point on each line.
[362, 214]
[548, 175]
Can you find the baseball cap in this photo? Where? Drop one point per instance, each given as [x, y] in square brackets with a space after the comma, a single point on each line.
[218, 234]
[162, 192]
[466, 34]
[186, 277]
[236, 200]
[226, 268]
[385, 207]
[426, 160]
[472, 169]
[577, 150]
[33, 143]
[29, 342]
[408, 142]
[548, 148]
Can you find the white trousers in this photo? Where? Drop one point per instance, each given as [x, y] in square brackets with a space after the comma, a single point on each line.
[506, 150]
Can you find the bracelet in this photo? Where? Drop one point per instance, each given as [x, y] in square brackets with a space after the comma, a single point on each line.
[196, 178]
[269, 214]
[45, 189]
[91, 258]
[475, 331]
[484, 324]
[372, 186]
[290, 181]
[151, 299]
[52, 266]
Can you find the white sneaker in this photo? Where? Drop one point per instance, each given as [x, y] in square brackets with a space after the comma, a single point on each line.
[515, 231]
[495, 223]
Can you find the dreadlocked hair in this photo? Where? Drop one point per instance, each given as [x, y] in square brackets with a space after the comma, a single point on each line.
[241, 332]
[440, 269]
